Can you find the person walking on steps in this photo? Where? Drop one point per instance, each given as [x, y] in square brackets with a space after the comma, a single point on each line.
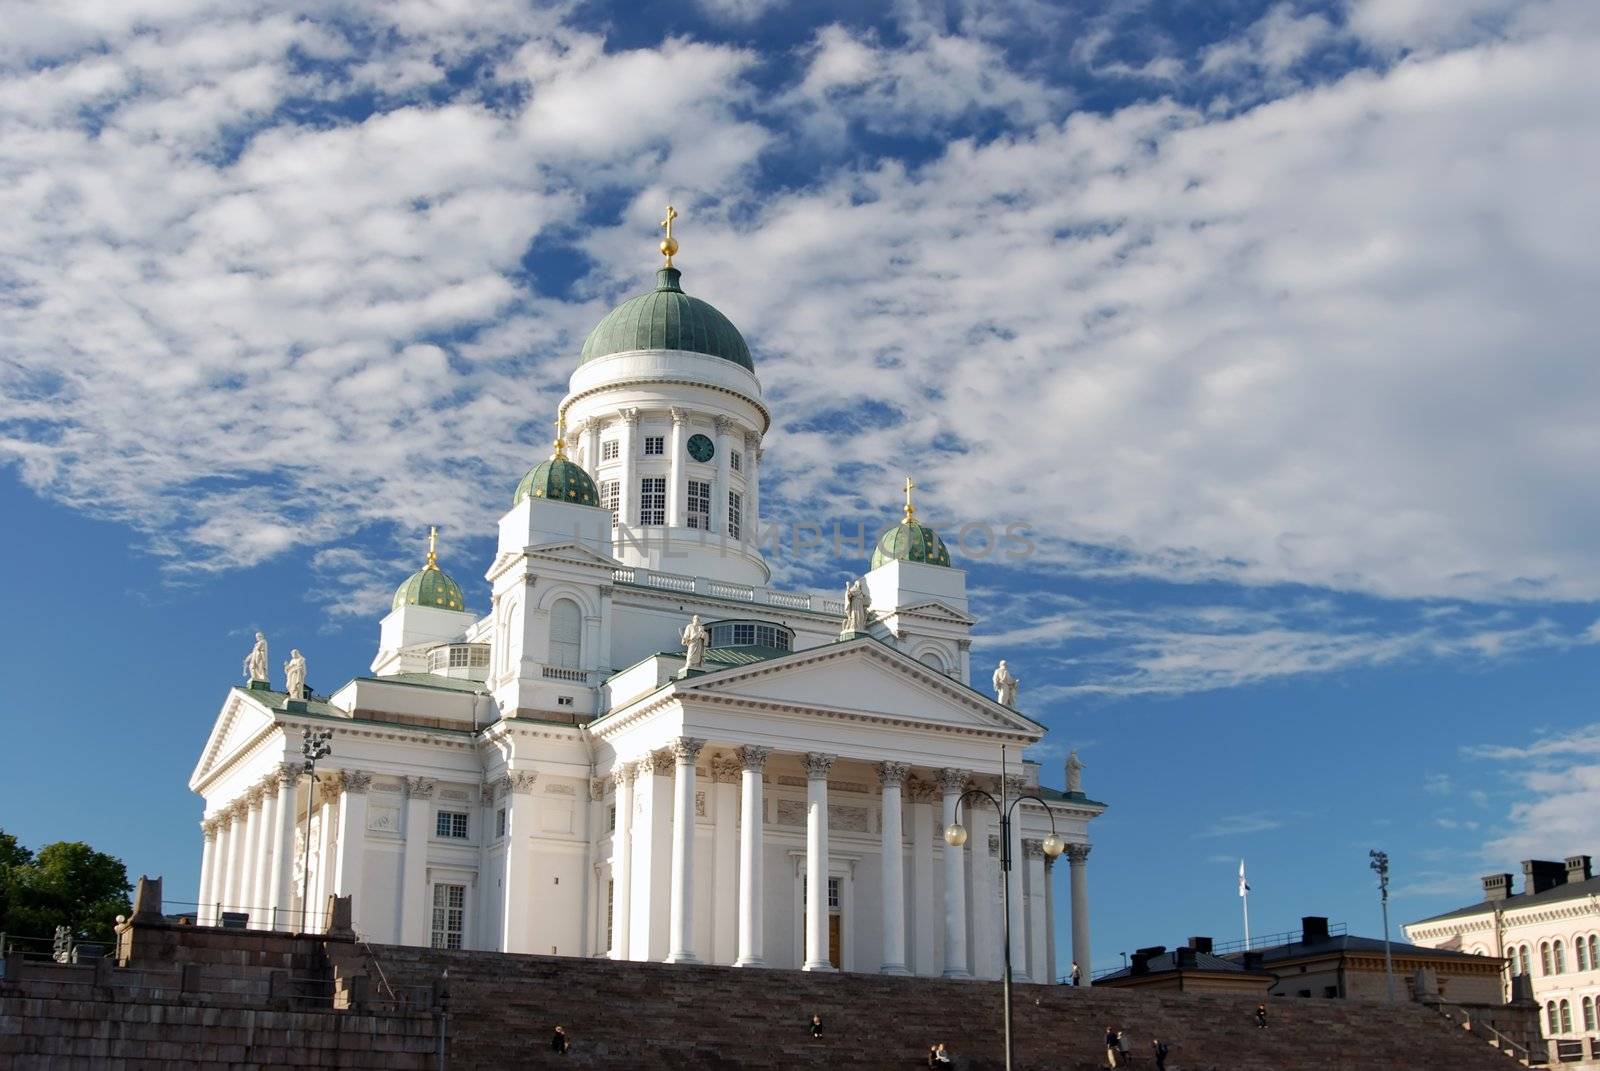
[1111, 1046]
[559, 1042]
[816, 1025]
[1077, 975]
[1261, 1016]
[1159, 1047]
[1124, 1050]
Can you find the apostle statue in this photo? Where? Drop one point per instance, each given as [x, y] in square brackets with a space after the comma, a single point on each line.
[1005, 686]
[1074, 772]
[294, 675]
[694, 639]
[255, 663]
[855, 607]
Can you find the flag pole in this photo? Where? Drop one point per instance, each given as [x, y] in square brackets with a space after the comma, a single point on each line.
[1244, 896]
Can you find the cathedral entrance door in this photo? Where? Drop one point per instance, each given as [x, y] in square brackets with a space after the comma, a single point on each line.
[834, 930]
[835, 925]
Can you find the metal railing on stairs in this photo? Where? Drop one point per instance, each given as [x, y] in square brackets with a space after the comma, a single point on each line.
[1513, 1048]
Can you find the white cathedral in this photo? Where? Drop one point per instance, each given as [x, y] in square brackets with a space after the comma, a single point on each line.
[642, 750]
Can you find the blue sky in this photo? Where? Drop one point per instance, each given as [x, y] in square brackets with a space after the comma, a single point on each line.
[1269, 321]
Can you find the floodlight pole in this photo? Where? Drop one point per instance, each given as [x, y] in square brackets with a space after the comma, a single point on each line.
[1380, 863]
[313, 746]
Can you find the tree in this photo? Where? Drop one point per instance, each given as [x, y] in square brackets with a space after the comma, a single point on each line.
[67, 884]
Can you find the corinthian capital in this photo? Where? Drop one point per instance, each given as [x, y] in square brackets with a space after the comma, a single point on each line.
[623, 773]
[662, 761]
[954, 781]
[1077, 854]
[687, 748]
[892, 773]
[420, 788]
[753, 757]
[357, 780]
[725, 768]
[818, 765]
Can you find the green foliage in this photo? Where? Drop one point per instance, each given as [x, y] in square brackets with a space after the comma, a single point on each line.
[67, 883]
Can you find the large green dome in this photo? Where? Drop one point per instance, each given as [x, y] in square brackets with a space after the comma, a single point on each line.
[560, 480]
[667, 319]
[909, 541]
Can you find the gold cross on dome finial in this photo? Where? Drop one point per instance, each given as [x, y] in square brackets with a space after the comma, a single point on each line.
[669, 244]
[433, 547]
[561, 435]
[911, 511]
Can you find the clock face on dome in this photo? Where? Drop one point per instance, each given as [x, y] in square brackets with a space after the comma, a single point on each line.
[701, 448]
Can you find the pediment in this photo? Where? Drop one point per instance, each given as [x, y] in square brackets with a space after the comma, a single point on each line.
[937, 611]
[863, 678]
[570, 553]
[240, 721]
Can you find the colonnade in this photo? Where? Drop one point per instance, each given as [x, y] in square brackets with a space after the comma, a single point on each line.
[1031, 916]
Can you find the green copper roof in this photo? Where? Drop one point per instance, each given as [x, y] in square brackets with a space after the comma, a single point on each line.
[429, 586]
[909, 541]
[560, 480]
[667, 319]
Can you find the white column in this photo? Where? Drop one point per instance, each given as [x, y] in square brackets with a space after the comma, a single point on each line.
[245, 894]
[721, 486]
[924, 923]
[227, 852]
[652, 854]
[414, 893]
[628, 449]
[752, 488]
[686, 749]
[1051, 974]
[328, 795]
[1038, 967]
[675, 468]
[1017, 907]
[984, 902]
[229, 899]
[591, 445]
[953, 783]
[350, 864]
[817, 767]
[892, 776]
[261, 876]
[283, 848]
[518, 888]
[752, 822]
[1077, 857]
[208, 866]
[725, 872]
[621, 859]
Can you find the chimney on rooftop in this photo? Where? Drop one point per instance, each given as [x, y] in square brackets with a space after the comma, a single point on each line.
[1313, 929]
[1540, 875]
[1185, 959]
[1578, 869]
[1201, 944]
[1496, 886]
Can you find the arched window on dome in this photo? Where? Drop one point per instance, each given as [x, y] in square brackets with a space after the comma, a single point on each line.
[934, 661]
[566, 635]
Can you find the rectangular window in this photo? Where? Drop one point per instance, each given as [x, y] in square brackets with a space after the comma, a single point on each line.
[654, 445]
[611, 818]
[459, 657]
[611, 497]
[449, 915]
[735, 461]
[500, 822]
[451, 824]
[833, 892]
[653, 500]
[735, 513]
[699, 505]
[611, 900]
[608, 450]
[480, 655]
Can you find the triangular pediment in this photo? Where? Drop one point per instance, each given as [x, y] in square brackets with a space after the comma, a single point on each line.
[240, 721]
[936, 611]
[862, 677]
[571, 553]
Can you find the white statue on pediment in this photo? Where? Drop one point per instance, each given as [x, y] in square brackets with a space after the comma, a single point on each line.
[255, 663]
[294, 675]
[855, 607]
[694, 639]
[1005, 686]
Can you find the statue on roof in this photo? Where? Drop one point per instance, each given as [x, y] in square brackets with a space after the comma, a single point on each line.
[694, 639]
[1074, 772]
[255, 663]
[855, 607]
[294, 675]
[1005, 686]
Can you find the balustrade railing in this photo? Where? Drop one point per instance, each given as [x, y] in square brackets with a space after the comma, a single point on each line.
[721, 589]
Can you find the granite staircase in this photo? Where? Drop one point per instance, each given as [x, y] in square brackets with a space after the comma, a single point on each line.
[647, 1015]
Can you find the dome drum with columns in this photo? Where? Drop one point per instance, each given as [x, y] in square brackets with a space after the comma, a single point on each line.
[618, 756]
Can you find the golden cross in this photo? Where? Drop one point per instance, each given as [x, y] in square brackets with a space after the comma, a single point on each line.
[433, 547]
[561, 434]
[669, 244]
[911, 511]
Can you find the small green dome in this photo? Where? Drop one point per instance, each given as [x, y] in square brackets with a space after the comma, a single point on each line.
[667, 319]
[909, 541]
[429, 586]
[559, 480]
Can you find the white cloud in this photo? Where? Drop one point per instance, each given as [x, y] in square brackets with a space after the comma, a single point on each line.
[1240, 825]
[1558, 781]
[1277, 41]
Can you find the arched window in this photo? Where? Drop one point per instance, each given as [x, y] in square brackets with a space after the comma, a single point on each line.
[1544, 957]
[566, 640]
[1588, 1014]
[933, 661]
[1551, 1019]
[1581, 949]
[1594, 953]
[1527, 968]
[1561, 957]
[1566, 1017]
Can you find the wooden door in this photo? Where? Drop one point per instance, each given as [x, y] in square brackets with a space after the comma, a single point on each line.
[834, 942]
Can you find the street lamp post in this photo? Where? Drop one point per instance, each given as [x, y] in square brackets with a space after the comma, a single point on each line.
[314, 746]
[955, 835]
[1380, 863]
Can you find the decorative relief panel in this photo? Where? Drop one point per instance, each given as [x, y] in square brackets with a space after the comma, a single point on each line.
[383, 817]
[386, 786]
[699, 804]
[454, 794]
[791, 812]
[558, 790]
[846, 818]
